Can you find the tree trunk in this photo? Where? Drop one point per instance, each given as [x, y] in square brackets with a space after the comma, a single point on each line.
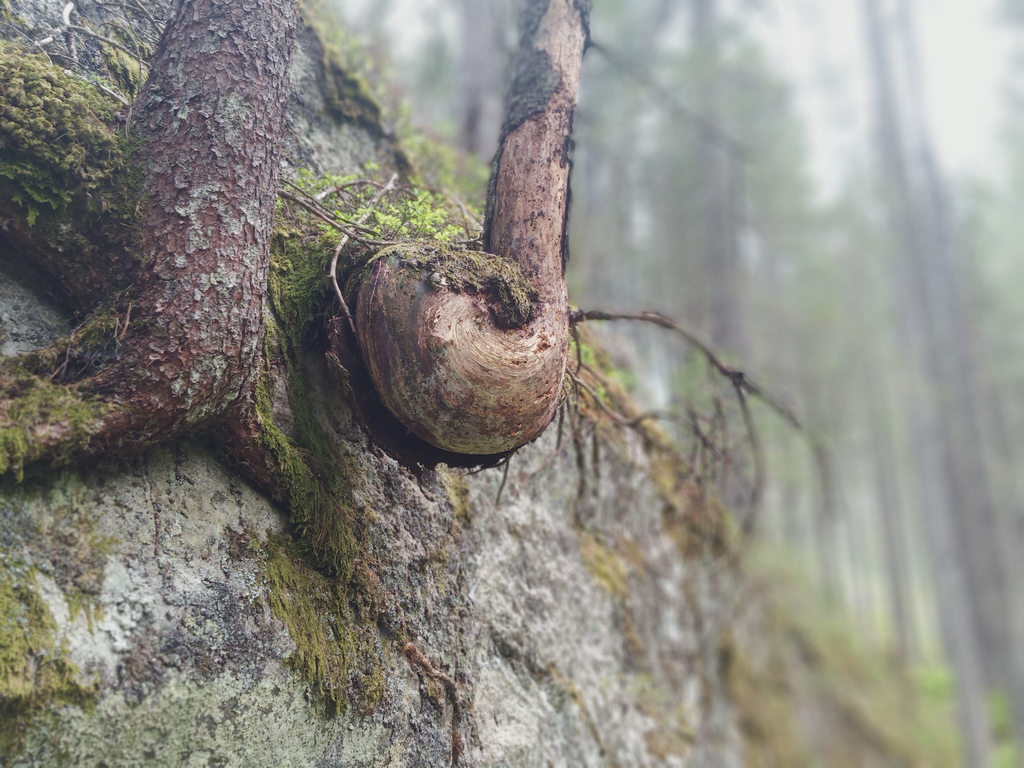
[719, 224]
[954, 564]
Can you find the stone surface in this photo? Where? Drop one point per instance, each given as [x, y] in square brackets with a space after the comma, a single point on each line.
[559, 663]
[578, 618]
[27, 319]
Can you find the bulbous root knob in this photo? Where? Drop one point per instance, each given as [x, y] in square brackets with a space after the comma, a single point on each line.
[453, 352]
[444, 354]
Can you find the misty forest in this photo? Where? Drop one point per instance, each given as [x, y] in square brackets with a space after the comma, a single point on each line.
[512, 383]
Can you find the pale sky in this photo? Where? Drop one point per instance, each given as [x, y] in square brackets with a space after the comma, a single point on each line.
[818, 44]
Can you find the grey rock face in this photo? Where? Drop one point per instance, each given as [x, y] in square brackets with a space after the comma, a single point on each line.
[574, 629]
[27, 320]
[566, 651]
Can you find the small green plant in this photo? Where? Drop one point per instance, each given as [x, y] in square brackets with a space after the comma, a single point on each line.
[409, 213]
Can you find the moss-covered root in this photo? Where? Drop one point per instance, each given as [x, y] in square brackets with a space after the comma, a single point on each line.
[68, 184]
[42, 420]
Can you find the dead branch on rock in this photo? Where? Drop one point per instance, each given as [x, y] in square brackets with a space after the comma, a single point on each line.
[706, 443]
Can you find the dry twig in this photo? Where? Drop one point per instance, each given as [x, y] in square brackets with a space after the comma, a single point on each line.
[344, 241]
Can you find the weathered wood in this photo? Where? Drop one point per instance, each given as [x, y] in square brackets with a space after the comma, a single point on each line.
[443, 366]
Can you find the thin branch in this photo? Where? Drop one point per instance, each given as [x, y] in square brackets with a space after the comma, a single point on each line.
[331, 222]
[127, 320]
[737, 378]
[344, 241]
[504, 479]
[321, 196]
[95, 35]
[617, 418]
[469, 222]
[113, 94]
[757, 452]
[38, 44]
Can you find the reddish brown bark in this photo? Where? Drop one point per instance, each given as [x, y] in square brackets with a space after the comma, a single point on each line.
[212, 115]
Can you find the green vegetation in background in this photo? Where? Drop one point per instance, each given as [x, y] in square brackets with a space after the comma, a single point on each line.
[806, 657]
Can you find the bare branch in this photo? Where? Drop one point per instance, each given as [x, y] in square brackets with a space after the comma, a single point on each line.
[344, 241]
[738, 378]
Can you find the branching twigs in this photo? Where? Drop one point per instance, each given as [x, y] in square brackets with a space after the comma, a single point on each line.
[318, 211]
[757, 453]
[740, 383]
[738, 379]
[321, 196]
[68, 30]
[344, 241]
[37, 43]
[469, 222]
[314, 205]
[103, 39]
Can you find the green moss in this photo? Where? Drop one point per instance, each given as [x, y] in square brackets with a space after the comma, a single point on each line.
[317, 583]
[348, 99]
[306, 602]
[333, 634]
[409, 213]
[298, 279]
[91, 344]
[69, 181]
[68, 185]
[34, 670]
[36, 413]
[312, 479]
[605, 566]
[125, 69]
[59, 147]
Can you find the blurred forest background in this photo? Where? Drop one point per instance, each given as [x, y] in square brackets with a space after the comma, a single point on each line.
[768, 173]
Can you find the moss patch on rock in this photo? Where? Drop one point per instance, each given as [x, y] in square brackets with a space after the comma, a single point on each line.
[311, 467]
[318, 584]
[605, 565]
[34, 669]
[335, 651]
[57, 145]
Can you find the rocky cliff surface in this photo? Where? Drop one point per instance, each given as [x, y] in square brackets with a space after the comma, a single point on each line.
[156, 609]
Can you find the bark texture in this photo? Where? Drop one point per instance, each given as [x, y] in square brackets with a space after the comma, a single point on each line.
[212, 115]
[211, 127]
